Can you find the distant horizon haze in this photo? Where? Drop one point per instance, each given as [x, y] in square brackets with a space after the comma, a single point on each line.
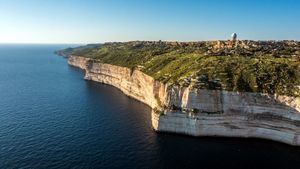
[77, 44]
[86, 22]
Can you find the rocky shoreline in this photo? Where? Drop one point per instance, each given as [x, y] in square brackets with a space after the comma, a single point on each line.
[199, 112]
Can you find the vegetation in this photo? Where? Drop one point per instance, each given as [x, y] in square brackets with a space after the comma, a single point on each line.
[259, 69]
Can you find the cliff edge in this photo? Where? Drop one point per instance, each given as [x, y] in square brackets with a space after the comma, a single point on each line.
[194, 111]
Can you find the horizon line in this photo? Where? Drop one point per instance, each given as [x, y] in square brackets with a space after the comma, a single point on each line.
[86, 43]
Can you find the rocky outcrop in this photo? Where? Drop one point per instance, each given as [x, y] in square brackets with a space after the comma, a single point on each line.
[199, 112]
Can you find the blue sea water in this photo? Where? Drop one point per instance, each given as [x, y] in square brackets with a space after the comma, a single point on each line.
[51, 118]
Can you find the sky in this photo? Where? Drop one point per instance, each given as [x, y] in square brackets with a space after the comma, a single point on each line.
[98, 21]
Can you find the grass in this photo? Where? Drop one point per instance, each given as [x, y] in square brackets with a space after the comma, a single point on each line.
[189, 65]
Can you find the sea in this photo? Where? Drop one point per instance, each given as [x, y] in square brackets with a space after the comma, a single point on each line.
[51, 118]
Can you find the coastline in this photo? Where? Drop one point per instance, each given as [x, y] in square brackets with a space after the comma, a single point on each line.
[202, 112]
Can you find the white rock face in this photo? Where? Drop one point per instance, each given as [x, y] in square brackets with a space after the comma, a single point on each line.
[203, 112]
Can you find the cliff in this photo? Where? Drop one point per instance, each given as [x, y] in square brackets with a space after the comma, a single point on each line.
[202, 112]
[271, 67]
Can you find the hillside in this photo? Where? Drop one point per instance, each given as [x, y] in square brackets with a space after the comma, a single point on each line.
[248, 66]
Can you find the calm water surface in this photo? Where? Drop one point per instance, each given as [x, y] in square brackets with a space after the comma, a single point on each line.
[51, 118]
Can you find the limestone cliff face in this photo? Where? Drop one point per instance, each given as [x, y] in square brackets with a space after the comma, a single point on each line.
[133, 83]
[202, 112]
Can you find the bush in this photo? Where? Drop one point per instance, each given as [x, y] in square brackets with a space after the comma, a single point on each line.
[172, 63]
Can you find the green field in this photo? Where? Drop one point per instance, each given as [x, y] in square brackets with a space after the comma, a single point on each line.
[257, 69]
